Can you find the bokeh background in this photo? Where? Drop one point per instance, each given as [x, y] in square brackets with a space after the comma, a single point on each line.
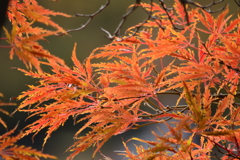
[13, 82]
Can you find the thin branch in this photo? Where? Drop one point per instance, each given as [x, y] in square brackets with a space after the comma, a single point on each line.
[91, 16]
[151, 104]
[238, 2]
[169, 16]
[219, 145]
[221, 96]
[220, 61]
[1, 46]
[185, 2]
[137, 4]
[124, 18]
[182, 108]
[151, 116]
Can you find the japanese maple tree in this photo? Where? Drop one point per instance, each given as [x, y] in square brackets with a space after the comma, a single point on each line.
[122, 92]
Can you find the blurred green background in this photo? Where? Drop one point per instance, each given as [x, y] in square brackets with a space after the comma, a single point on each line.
[13, 82]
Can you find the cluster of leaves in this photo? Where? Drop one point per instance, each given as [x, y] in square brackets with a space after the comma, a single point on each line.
[25, 34]
[8, 148]
[10, 151]
[115, 96]
[23, 39]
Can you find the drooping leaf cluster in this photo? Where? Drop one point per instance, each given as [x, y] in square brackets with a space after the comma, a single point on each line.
[25, 34]
[10, 151]
[198, 64]
[23, 41]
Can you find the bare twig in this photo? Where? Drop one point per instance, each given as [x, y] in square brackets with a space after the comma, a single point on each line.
[136, 5]
[91, 16]
[238, 2]
[185, 3]
[167, 12]
[124, 18]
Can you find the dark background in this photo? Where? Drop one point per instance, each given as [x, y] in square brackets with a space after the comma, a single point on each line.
[13, 82]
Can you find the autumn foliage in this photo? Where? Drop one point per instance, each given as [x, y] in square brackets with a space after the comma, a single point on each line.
[123, 91]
